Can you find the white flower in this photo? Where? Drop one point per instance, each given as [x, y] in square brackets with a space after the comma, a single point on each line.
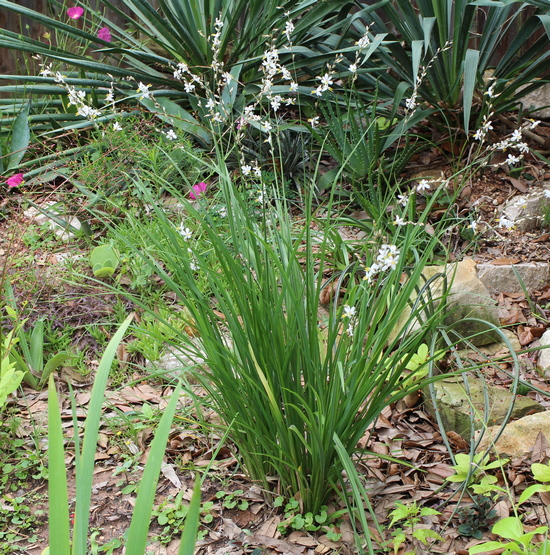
[363, 41]
[326, 80]
[171, 135]
[388, 257]
[144, 90]
[399, 221]
[267, 85]
[286, 74]
[59, 78]
[76, 97]
[351, 328]
[267, 126]
[403, 199]
[523, 147]
[222, 212]
[293, 86]
[117, 126]
[87, 112]
[210, 104]
[424, 185]
[479, 135]
[246, 169]
[46, 71]
[410, 103]
[511, 160]
[533, 124]
[180, 70]
[319, 90]
[290, 101]
[349, 311]
[505, 222]
[185, 232]
[353, 68]
[189, 87]
[314, 122]
[516, 136]
[474, 225]
[370, 272]
[257, 171]
[227, 77]
[490, 92]
[261, 197]
[276, 102]
[289, 29]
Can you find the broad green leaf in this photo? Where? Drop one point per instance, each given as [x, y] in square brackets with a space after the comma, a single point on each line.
[471, 63]
[20, 138]
[487, 546]
[59, 536]
[189, 534]
[541, 472]
[510, 528]
[139, 527]
[86, 461]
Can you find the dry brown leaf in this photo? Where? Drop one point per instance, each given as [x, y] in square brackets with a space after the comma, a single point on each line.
[519, 185]
[301, 538]
[282, 546]
[504, 261]
[269, 527]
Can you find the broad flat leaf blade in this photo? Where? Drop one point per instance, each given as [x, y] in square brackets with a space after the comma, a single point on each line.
[60, 541]
[20, 138]
[189, 535]
[139, 527]
[85, 467]
[470, 76]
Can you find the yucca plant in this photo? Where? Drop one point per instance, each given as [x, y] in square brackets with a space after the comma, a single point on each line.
[367, 140]
[209, 36]
[446, 51]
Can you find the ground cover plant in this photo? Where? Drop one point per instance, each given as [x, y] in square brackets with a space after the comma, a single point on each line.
[261, 216]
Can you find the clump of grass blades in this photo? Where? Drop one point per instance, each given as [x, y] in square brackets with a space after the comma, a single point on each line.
[285, 384]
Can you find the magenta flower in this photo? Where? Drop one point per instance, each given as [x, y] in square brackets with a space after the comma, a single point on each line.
[15, 180]
[104, 34]
[75, 12]
[197, 190]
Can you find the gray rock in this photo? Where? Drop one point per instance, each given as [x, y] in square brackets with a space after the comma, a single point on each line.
[173, 363]
[457, 408]
[502, 278]
[468, 298]
[543, 363]
[40, 217]
[527, 212]
[537, 102]
[519, 436]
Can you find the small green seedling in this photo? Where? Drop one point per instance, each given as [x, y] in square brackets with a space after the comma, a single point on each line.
[104, 260]
[231, 499]
[473, 472]
[511, 528]
[541, 472]
[411, 515]
[294, 520]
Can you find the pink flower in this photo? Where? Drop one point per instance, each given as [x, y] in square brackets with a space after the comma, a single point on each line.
[104, 34]
[197, 190]
[15, 180]
[75, 12]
